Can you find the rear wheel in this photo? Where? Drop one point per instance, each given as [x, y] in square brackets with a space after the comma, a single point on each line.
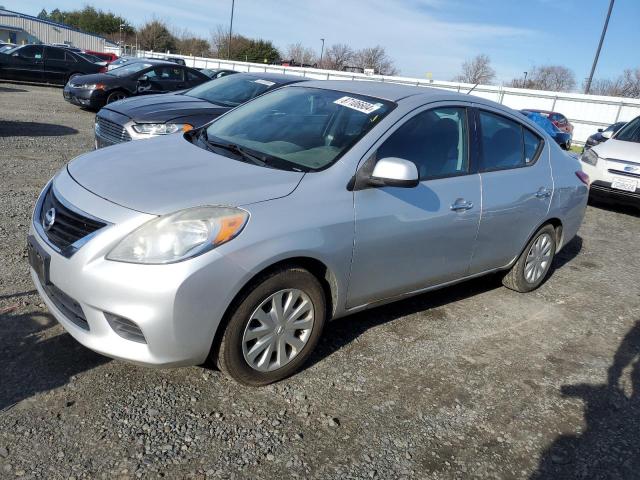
[533, 265]
[274, 328]
[116, 95]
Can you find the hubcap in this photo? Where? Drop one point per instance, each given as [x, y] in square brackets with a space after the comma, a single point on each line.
[538, 259]
[278, 330]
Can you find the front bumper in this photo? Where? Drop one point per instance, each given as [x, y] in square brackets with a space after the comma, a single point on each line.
[602, 190]
[602, 175]
[93, 99]
[176, 307]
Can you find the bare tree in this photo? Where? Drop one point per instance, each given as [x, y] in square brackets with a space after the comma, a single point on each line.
[551, 77]
[300, 54]
[375, 58]
[477, 70]
[625, 85]
[218, 39]
[155, 35]
[338, 56]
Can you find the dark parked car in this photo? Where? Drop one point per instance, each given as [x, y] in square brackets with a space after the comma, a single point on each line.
[214, 73]
[558, 119]
[597, 137]
[135, 78]
[45, 64]
[562, 138]
[150, 116]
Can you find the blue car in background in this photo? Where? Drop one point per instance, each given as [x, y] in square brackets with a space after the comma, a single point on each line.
[562, 138]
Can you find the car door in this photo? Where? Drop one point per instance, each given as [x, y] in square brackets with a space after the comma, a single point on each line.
[517, 186]
[26, 64]
[56, 65]
[166, 79]
[407, 239]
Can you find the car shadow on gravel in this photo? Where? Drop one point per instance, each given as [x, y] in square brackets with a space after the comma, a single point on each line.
[12, 90]
[612, 206]
[343, 331]
[34, 129]
[608, 447]
[29, 364]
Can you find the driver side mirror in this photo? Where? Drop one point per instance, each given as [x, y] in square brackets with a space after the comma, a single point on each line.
[607, 134]
[394, 172]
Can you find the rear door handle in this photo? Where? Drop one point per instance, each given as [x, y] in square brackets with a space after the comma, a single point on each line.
[461, 205]
[543, 193]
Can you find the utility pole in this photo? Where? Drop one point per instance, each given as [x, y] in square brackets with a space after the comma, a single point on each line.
[321, 51]
[525, 80]
[595, 60]
[230, 30]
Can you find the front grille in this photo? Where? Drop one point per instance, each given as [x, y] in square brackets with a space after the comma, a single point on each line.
[605, 187]
[68, 225]
[67, 305]
[111, 131]
[622, 172]
[125, 328]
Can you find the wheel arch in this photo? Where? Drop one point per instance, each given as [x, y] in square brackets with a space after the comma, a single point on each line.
[316, 267]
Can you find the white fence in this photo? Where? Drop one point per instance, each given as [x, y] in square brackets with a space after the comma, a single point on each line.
[586, 112]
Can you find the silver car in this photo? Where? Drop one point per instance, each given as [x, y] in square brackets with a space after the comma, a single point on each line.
[236, 242]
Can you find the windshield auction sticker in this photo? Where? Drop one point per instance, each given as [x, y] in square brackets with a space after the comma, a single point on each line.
[357, 104]
[264, 82]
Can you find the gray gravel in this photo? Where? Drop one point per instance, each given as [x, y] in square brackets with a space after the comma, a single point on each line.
[473, 381]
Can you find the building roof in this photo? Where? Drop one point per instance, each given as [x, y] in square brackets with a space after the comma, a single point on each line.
[4, 11]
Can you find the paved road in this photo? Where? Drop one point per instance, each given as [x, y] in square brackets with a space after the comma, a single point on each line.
[473, 381]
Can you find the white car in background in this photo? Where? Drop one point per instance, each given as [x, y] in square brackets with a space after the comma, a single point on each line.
[614, 166]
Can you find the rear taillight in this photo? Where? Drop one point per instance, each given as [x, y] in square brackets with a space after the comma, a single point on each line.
[556, 123]
[102, 70]
[584, 178]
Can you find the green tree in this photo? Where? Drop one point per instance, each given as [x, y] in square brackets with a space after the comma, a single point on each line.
[43, 15]
[155, 35]
[257, 51]
[90, 19]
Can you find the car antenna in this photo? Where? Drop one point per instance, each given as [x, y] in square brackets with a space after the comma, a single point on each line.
[472, 88]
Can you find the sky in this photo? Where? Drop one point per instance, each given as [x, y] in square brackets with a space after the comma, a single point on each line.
[421, 36]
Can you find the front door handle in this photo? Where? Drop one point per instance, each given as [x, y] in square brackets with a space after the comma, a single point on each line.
[461, 205]
[543, 193]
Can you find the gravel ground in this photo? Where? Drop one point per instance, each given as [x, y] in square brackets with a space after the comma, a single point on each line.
[473, 381]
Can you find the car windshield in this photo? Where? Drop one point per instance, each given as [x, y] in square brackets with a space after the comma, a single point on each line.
[129, 69]
[306, 128]
[630, 132]
[232, 90]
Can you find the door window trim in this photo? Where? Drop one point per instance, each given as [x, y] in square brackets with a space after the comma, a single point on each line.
[470, 124]
[480, 149]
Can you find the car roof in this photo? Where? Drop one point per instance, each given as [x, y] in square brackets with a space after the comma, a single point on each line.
[279, 78]
[392, 91]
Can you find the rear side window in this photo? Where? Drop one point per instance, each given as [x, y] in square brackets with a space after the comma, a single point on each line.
[193, 77]
[70, 57]
[55, 53]
[506, 144]
[435, 140]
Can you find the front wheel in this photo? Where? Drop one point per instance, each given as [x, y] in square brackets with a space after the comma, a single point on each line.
[533, 265]
[274, 328]
[115, 96]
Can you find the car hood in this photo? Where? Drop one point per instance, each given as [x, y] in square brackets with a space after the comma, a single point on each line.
[617, 149]
[166, 174]
[165, 107]
[96, 78]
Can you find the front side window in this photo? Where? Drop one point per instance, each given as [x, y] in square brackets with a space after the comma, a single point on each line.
[129, 69]
[630, 132]
[435, 140]
[308, 128]
[31, 51]
[167, 73]
[505, 143]
[232, 90]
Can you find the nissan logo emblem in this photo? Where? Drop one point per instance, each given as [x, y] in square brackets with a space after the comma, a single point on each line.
[49, 219]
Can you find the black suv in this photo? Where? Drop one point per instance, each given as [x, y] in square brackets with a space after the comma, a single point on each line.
[45, 64]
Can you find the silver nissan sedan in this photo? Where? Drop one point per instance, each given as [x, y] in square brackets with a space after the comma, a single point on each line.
[236, 242]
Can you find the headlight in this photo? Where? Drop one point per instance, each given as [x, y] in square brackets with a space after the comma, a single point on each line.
[590, 157]
[180, 235]
[161, 128]
[91, 86]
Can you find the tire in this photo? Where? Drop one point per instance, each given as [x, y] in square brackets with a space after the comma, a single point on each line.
[521, 277]
[115, 96]
[235, 356]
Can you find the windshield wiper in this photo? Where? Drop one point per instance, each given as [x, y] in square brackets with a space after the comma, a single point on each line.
[238, 150]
